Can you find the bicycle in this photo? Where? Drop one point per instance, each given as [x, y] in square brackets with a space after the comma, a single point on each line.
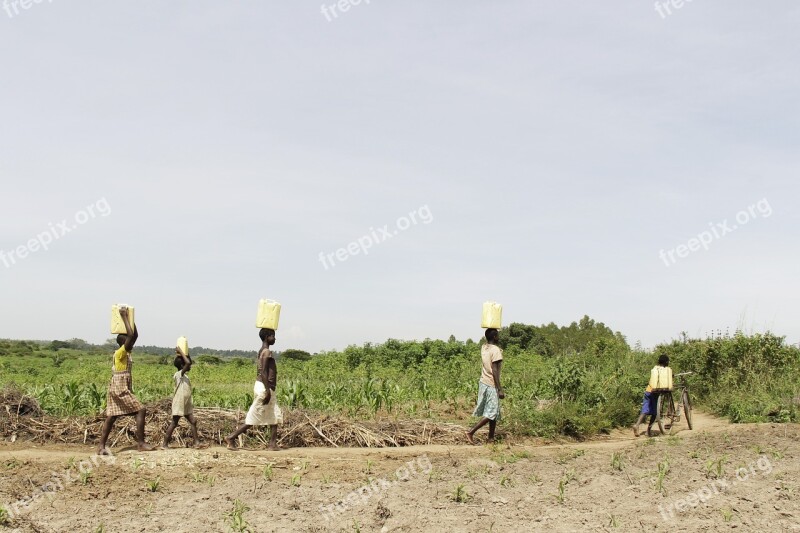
[666, 410]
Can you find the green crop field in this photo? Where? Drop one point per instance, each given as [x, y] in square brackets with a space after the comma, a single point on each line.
[576, 381]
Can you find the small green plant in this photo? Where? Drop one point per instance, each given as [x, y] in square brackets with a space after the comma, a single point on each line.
[663, 470]
[236, 516]
[434, 475]
[12, 463]
[568, 476]
[85, 476]
[71, 463]
[562, 489]
[616, 461]
[716, 469]
[154, 485]
[460, 495]
[533, 478]
[296, 480]
[506, 481]
[326, 478]
[356, 526]
[758, 449]
[612, 521]
[304, 464]
[778, 455]
[267, 472]
[368, 468]
[727, 514]
[100, 529]
[4, 520]
[137, 464]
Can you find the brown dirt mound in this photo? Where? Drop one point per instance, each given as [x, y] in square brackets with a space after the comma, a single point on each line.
[24, 420]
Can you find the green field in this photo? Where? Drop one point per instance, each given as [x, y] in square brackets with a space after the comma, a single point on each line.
[577, 380]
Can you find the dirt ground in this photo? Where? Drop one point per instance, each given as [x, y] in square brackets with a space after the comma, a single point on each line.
[716, 477]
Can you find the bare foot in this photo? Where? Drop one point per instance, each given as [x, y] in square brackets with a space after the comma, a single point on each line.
[144, 447]
[200, 446]
[103, 451]
[469, 437]
[230, 444]
[274, 448]
[635, 431]
[163, 447]
[490, 440]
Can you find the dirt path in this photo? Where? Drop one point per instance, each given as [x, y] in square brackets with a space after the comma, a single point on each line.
[606, 484]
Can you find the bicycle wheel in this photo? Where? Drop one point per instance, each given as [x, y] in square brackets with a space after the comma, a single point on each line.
[687, 407]
[664, 411]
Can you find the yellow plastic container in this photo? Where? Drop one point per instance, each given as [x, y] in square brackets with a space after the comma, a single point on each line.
[269, 314]
[117, 324]
[661, 378]
[183, 344]
[492, 315]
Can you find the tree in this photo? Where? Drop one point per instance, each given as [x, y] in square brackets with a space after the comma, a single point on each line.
[299, 355]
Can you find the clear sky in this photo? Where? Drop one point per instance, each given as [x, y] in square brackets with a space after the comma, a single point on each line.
[207, 154]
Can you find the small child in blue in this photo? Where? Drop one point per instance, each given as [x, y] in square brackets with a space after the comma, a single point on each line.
[649, 402]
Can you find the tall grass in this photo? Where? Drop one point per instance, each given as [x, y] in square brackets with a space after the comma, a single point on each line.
[578, 394]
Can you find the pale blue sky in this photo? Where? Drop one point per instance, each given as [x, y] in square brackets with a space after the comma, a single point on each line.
[559, 146]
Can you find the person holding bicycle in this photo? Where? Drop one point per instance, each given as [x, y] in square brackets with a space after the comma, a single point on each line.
[660, 380]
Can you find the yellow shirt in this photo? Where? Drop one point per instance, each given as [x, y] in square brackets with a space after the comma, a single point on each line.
[121, 359]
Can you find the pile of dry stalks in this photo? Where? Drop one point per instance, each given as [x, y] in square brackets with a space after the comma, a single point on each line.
[22, 418]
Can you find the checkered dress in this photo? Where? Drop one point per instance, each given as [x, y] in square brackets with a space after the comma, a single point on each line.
[120, 399]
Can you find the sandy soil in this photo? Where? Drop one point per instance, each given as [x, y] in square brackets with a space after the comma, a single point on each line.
[716, 477]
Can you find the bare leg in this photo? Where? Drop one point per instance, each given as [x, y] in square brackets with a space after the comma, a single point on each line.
[492, 426]
[479, 425]
[638, 423]
[193, 422]
[141, 445]
[170, 429]
[196, 444]
[107, 425]
[231, 439]
[273, 437]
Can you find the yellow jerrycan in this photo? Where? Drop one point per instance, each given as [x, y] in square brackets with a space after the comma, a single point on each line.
[269, 314]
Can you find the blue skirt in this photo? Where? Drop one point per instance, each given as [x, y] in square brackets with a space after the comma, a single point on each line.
[649, 403]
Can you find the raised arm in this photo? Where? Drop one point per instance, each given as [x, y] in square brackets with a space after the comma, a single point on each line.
[132, 333]
[187, 361]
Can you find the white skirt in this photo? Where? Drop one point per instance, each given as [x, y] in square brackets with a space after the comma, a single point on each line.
[260, 414]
